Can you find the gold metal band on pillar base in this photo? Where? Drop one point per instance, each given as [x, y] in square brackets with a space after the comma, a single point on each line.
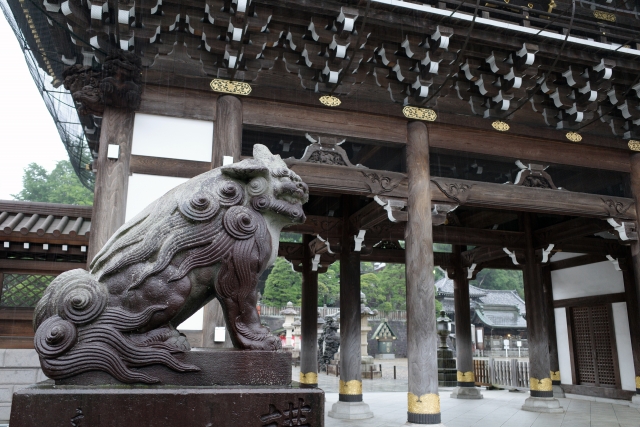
[637, 383]
[541, 388]
[424, 409]
[308, 378]
[351, 387]
[555, 377]
[426, 404]
[466, 377]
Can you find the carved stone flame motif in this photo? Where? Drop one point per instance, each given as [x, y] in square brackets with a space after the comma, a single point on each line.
[228, 86]
[123, 313]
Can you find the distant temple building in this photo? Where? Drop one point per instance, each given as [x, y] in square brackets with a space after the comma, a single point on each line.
[497, 313]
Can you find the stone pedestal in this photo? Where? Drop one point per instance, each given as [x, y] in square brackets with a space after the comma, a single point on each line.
[558, 391]
[547, 405]
[350, 411]
[635, 401]
[447, 371]
[466, 393]
[152, 406]
[369, 369]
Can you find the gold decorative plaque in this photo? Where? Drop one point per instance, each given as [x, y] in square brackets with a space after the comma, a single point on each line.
[330, 101]
[426, 404]
[540, 385]
[466, 377]
[228, 86]
[308, 378]
[555, 375]
[419, 113]
[604, 16]
[634, 145]
[501, 126]
[351, 387]
[574, 136]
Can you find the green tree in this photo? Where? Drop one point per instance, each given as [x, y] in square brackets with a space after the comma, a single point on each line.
[283, 285]
[329, 286]
[59, 186]
[500, 280]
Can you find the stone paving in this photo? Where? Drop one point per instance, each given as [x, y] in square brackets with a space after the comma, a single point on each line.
[388, 401]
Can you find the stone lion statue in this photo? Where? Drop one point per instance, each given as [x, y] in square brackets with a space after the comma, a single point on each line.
[210, 237]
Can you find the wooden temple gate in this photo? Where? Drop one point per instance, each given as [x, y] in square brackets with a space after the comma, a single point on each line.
[368, 101]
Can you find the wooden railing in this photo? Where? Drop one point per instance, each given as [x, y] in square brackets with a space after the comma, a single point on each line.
[507, 373]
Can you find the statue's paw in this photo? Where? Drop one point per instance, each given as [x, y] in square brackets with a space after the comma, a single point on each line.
[265, 343]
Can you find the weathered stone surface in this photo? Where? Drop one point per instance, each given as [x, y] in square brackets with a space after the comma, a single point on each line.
[153, 406]
[219, 367]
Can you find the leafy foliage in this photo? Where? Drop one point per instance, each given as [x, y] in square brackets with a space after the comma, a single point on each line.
[500, 279]
[283, 285]
[329, 286]
[59, 186]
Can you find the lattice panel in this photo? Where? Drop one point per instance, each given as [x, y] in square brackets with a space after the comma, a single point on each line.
[601, 323]
[583, 350]
[23, 290]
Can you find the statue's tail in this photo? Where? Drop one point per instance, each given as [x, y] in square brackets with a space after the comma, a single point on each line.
[76, 332]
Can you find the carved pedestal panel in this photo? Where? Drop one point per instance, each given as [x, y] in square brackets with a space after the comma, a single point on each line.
[129, 406]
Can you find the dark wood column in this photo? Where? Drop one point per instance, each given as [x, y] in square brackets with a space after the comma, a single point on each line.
[539, 368]
[112, 178]
[550, 321]
[227, 141]
[227, 130]
[634, 314]
[464, 348]
[308, 319]
[350, 353]
[422, 339]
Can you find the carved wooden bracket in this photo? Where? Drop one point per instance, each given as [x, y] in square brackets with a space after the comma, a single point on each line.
[456, 191]
[534, 176]
[117, 85]
[393, 207]
[326, 150]
[320, 248]
[440, 211]
[627, 230]
[616, 208]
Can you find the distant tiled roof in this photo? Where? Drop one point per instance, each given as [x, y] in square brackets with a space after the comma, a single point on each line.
[500, 318]
[444, 286]
[44, 222]
[504, 297]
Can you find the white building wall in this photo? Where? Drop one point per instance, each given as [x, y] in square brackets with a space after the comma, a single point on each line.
[600, 278]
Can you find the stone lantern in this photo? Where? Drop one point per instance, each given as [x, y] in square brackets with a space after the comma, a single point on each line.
[297, 332]
[447, 373]
[289, 317]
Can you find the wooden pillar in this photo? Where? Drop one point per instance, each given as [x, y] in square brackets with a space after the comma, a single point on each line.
[227, 141]
[422, 338]
[350, 351]
[308, 319]
[634, 312]
[112, 178]
[539, 368]
[550, 321]
[464, 345]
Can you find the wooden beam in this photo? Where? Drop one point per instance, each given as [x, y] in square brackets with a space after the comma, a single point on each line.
[179, 102]
[167, 167]
[589, 301]
[577, 261]
[41, 267]
[567, 230]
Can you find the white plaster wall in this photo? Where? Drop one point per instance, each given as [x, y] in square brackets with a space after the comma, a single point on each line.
[587, 280]
[144, 189]
[193, 323]
[172, 138]
[562, 337]
[623, 342]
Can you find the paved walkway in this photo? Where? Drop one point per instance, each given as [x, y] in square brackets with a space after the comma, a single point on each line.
[498, 408]
[388, 401]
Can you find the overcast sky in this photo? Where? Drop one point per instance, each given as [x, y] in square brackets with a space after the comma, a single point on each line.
[27, 132]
